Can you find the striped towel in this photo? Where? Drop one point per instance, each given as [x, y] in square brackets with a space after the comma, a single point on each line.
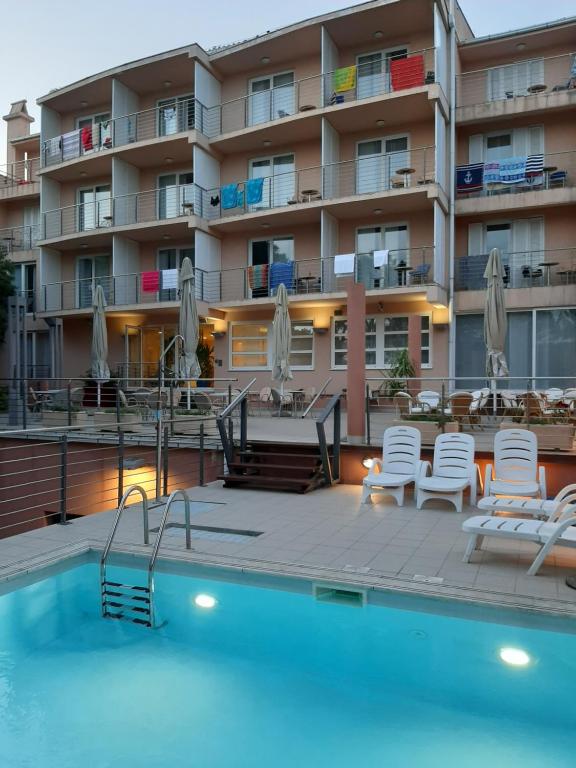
[492, 172]
[258, 276]
[534, 165]
[513, 170]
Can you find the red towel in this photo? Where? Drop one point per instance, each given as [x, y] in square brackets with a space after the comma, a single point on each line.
[150, 281]
[407, 73]
[86, 138]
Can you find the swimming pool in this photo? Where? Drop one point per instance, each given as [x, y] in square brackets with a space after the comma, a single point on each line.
[272, 677]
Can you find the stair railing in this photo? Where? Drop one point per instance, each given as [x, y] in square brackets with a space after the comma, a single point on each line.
[226, 436]
[331, 468]
[316, 397]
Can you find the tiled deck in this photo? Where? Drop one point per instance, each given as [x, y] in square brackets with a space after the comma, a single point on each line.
[326, 535]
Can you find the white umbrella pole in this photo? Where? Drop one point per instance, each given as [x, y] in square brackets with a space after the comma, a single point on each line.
[188, 395]
[98, 396]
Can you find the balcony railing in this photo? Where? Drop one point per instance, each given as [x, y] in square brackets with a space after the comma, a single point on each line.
[347, 84]
[137, 208]
[528, 77]
[408, 267]
[363, 176]
[532, 174]
[164, 120]
[524, 269]
[19, 174]
[19, 238]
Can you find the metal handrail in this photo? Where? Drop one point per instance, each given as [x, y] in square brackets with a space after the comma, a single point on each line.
[331, 469]
[162, 526]
[316, 397]
[227, 440]
[231, 406]
[177, 337]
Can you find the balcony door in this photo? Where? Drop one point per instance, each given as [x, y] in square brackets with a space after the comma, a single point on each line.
[279, 176]
[395, 239]
[99, 133]
[176, 115]
[31, 225]
[175, 194]
[271, 98]
[514, 79]
[94, 208]
[373, 70]
[377, 162]
[279, 250]
[90, 272]
[24, 282]
[172, 258]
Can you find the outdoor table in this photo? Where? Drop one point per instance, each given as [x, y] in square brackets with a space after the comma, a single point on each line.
[546, 266]
[406, 172]
[309, 194]
[536, 88]
[548, 169]
[402, 272]
[307, 281]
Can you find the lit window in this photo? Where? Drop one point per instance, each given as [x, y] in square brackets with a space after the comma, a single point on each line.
[302, 348]
[249, 345]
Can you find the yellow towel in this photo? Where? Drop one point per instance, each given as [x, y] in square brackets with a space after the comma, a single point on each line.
[344, 79]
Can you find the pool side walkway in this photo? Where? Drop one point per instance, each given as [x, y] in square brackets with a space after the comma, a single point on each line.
[325, 535]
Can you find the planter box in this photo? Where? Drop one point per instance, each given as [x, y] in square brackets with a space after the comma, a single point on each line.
[60, 418]
[187, 426]
[551, 437]
[429, 430]
[130, 422]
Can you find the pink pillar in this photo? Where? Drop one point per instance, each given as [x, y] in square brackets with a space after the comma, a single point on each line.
[356, 374]
[415, 350]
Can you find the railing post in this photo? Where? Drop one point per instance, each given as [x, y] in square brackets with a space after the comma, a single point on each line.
[201, 455]
[171, 395]
[120, 466]
[63, 477]
[165, 466]
[243, 423]
[229, 393]
[69, 401]
[336, 440]
[368, 437]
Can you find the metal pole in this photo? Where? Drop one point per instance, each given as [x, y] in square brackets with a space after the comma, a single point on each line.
[368, 437]
[336, 447]
[120, 466]
[243, 424]
[63, 477]
[159, 435]
[171, 394]
[166, 435]
[201, 468]
[69, 399]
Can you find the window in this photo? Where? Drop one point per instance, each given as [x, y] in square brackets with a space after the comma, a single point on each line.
[279, 184]
[302, 349]
[393, 238]
[171, 258]
[271, 98]
[24, 281]
[377, 162]
[555, 344]
[279, 250]
[37, 354]
[385, 338]
[94, 208]
[514, 79]
[176, 115]
[498, 147]
[374, 71]
[90, 272]
[175, 195]
[100, 136]
[249, 345]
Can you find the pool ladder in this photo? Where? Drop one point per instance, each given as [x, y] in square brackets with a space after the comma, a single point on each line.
[133, 602]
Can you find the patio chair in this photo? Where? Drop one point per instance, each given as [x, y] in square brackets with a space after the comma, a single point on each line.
[558, 530]
[453, 471]
[33, 403]
[404, 404]
[283, 402]
[400, 465]
[460, 403]
[201, 402]
[510, 404]
[76, 396]
[553, 395]
[534, 406]
[542, 508]
[419, 275]
[569, 398]
[428, 399]
[515, 471]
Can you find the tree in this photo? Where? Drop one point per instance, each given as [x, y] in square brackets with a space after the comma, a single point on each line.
[6, 289]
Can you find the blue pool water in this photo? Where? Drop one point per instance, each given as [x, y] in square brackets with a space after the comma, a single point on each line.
[272, 678]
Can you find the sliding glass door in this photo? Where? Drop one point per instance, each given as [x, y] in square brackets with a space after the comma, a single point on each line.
[175, 195]
[378, 161]
[271, 98]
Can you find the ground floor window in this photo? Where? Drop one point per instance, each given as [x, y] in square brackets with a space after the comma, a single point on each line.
[385, 338]
[540, 348]
[251, 345]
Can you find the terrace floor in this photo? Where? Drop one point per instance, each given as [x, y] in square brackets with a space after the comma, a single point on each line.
[326, 536]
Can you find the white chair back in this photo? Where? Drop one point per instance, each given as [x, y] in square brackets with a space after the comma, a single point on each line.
[401, 450]
[454, 456]
[509, 401]
[429, 397]
[484, 395]
[265, 394]
[515, 455]
[554, 395]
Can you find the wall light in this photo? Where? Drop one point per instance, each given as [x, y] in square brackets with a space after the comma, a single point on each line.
[520, 46]
[167, 83]
[218, 334]
[380, 123]
[516, 657]
[205, 601]
[265, 60]
[368, 463]
[83, 104]
[378, 34]
[267, 142]
[377, 211]
[319, 331]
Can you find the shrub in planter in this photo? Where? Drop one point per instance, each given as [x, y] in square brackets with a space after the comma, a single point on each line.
[57, 416]
[106, 420]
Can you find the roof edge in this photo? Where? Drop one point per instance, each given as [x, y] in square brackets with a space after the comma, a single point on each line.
[563, 22]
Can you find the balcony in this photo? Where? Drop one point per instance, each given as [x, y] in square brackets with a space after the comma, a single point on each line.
[540, 180]
[526, 269]
[408, 270]
[162, 122]
[14, 239]
[523, 86]
[343, 86]
[20, 179]
[141, 211]
[351, 188]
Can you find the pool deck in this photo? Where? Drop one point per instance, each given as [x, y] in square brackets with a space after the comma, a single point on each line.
[324, 536]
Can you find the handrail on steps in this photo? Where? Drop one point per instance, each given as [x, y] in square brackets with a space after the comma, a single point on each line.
[316, 397]
[227, 439]
[331, 468]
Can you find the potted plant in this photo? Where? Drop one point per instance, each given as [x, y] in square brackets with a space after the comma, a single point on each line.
[205, 354]
[429, 425]
[106, 420]
[396, 379]
[57, 416]
[553, 434]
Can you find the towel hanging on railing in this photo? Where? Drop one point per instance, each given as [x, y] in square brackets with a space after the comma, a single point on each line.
[254, 189]
[344, 79]
[258, 276]
[381, 258]
[281, 272]
[344, 263]
[150, 281]
[169, 279]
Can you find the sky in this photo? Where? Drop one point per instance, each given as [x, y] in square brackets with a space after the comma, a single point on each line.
[55, 43]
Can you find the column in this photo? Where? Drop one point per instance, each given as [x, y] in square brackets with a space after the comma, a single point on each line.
[356, 374]
[415, 350]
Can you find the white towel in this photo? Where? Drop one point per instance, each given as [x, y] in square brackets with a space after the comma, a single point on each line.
[344, 263]
[169, 279]
[381, 258]
[70, 145]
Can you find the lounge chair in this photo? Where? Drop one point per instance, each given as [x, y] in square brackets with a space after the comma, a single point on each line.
[515, 471]
[400, 465]
[283, 402]
[453, 471]
[559, 529]
[542, 508]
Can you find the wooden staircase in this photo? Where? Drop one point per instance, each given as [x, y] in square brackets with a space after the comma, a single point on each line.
[291, 467]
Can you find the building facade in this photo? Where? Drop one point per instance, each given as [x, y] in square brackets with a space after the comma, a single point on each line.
[383, 142]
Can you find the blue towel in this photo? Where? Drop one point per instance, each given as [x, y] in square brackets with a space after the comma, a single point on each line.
[492, 172]
[229, 196]
[281, 272]
[253, 189]
[513, 170]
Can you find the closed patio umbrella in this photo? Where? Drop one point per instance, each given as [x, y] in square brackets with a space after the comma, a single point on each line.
[188, 325]
[495, 323]
[100, 369]
[281, 339]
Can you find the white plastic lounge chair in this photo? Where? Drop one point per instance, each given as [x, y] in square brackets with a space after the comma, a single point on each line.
[400, 465]
[547, 534]
[515, 471]
[453, 471]
[543, 508]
